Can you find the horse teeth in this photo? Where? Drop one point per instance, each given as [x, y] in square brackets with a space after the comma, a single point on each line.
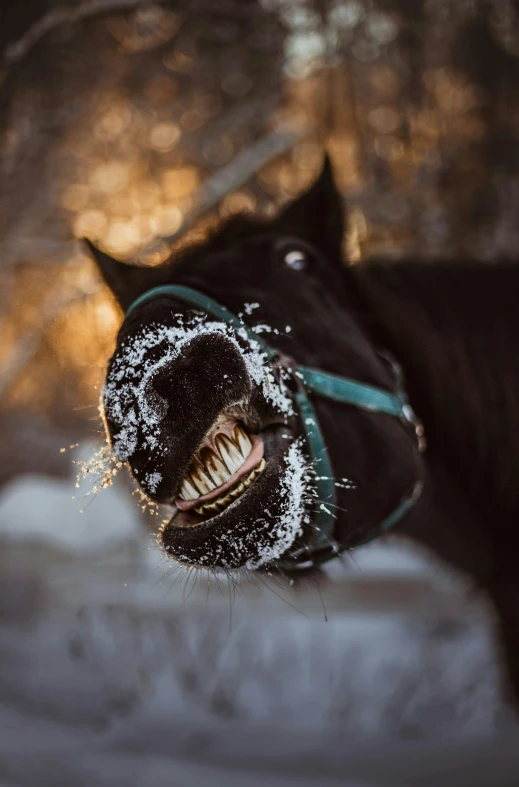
[215, 506]
[237, 491]
[250, 478]
[188, 491]
[229, 453]
[208, 507]
[200, 479]
[216, 462]
[214, 466]
[242, 441]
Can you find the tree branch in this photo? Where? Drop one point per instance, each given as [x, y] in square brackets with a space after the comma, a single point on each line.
[68, 15]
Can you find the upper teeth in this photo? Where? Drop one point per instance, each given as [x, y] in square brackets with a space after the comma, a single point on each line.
[212, 468]
[221, 502]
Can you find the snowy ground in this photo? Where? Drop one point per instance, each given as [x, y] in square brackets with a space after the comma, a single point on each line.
[113, 672]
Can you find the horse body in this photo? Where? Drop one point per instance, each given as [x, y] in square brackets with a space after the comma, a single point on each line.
[452, 328]
[455, 329]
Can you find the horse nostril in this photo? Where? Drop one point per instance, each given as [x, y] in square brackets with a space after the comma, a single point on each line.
[160, 385]
[155, 400]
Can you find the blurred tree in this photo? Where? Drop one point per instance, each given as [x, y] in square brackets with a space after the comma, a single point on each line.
[119, 123]
[16, 18]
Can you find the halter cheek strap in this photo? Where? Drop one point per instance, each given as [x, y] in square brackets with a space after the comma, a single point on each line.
[321, 545]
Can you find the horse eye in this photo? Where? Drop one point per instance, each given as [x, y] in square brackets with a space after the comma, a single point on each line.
[297, 260]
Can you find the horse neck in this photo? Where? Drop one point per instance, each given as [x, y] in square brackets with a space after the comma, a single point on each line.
[455, 330]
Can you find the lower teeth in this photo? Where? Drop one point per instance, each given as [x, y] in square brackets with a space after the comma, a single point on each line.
[215, 506]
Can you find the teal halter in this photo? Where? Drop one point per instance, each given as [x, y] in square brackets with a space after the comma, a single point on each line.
[321, 546]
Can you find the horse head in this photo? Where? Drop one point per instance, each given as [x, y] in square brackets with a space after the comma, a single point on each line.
[209, 422]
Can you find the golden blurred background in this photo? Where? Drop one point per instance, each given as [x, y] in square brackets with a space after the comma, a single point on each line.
[138, 126]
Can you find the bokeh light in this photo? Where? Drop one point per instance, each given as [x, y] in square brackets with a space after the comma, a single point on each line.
[172, 98]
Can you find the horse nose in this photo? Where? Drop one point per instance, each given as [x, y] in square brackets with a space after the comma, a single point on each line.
[209, 365]
[185, 392]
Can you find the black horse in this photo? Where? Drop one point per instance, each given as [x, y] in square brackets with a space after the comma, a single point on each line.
[206, 423]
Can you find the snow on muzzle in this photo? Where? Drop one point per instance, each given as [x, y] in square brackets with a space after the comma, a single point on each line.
[161, 405]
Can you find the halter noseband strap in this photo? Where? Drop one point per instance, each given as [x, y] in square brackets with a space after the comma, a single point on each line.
[321, 546]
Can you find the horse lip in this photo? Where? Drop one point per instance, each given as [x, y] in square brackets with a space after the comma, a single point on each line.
[253, 459]
[192, 540]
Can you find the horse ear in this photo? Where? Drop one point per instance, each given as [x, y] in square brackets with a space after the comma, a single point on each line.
[126, 281]
[318, 214]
